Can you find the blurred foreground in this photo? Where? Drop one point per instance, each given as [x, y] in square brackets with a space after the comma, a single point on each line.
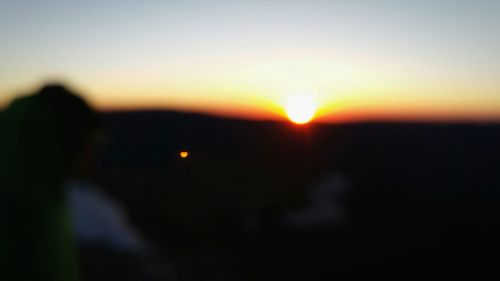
[275, 201]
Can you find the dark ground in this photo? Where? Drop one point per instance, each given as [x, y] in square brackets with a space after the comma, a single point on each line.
[423, 198]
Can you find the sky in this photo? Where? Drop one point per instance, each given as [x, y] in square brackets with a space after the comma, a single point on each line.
[370, 59]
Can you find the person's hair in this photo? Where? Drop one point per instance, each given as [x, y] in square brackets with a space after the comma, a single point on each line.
[73, 117]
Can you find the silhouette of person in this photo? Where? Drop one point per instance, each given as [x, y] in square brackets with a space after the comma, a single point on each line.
[44, 138]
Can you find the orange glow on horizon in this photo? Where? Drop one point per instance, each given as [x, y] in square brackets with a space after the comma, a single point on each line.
[364, 104]
[184, 154]
[345, 113]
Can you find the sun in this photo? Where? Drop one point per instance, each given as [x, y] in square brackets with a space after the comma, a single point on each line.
[300, 109]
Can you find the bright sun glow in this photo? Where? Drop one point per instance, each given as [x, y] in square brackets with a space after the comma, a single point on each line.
[300, 109]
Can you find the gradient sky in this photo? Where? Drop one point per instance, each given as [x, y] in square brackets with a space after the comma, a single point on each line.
[357, 59]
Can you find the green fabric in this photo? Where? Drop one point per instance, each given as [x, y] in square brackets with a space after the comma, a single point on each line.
[35, 236]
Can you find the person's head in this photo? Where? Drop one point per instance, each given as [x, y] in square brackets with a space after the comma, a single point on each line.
[78, 127]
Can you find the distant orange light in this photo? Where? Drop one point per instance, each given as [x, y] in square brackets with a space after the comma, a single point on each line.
[184, 154]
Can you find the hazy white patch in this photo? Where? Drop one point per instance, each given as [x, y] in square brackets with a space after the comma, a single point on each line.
[325, 206]
[97, 218]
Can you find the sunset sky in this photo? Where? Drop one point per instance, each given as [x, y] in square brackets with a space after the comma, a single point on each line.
[370, 59]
